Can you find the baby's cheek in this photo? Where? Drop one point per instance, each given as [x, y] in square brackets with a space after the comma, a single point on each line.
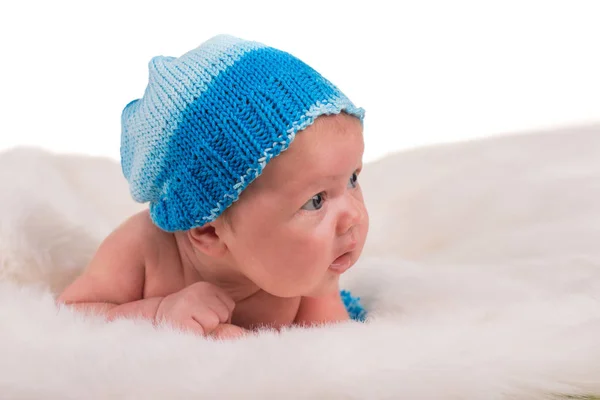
[293, 260]
[366, 222]
[310, 256]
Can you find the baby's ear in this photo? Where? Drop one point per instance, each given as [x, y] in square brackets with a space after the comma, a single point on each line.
[206, 239]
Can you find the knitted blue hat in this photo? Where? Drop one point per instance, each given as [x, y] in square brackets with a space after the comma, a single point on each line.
[211, 120]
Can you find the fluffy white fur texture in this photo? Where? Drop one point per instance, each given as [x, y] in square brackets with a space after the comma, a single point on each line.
[481, 274]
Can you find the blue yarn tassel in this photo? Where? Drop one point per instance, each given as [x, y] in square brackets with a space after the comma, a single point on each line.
[356, 311]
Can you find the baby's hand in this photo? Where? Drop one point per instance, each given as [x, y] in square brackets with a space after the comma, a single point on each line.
[200, 307]
[228, 331]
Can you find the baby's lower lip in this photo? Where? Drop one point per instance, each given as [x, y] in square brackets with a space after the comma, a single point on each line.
[342, 263]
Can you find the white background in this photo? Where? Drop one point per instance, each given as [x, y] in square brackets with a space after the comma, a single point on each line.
[426, 72]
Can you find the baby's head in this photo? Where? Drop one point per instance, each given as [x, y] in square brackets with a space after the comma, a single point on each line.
[238, 128]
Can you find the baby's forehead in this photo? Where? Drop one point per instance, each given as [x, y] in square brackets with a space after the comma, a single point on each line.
[330, 149]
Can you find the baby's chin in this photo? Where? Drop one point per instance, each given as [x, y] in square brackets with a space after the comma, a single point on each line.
[328, 284]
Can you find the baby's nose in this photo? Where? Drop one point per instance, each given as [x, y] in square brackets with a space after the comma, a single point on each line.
[351, 216]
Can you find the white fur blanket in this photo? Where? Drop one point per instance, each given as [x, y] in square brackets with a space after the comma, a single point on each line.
[481, 275]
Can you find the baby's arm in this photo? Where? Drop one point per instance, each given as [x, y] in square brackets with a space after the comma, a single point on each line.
[113, 282]
[113, 285]
[319, 310]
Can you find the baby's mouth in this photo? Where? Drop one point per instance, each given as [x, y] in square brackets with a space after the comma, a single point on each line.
[342, 263]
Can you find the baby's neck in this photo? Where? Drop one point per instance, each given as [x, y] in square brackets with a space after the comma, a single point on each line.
[200, 267]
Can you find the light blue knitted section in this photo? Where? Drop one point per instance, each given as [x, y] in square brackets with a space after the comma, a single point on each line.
[172, 85]
[211, 120]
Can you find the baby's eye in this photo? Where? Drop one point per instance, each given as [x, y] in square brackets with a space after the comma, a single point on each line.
[352, 181]
[314, 204]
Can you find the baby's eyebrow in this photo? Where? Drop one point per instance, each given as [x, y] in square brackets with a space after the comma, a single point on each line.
[317, 183]
[309, 180]
[342, 175]
[338, 177]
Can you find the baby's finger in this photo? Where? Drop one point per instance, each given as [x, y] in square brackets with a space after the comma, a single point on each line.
[208, 319]
[219, 308]
[228, 331]
[226, 299]
[191, 325]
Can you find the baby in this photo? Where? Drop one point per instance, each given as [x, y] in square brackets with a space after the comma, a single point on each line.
[249, 160]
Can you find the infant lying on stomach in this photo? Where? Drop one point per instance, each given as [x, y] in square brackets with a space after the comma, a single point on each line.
[249, 160]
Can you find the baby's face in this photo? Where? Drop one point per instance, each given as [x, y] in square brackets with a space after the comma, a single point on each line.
[291, 226]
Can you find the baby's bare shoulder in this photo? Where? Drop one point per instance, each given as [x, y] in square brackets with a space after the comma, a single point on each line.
[140, 224]
[162, 261]
[141, 234]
